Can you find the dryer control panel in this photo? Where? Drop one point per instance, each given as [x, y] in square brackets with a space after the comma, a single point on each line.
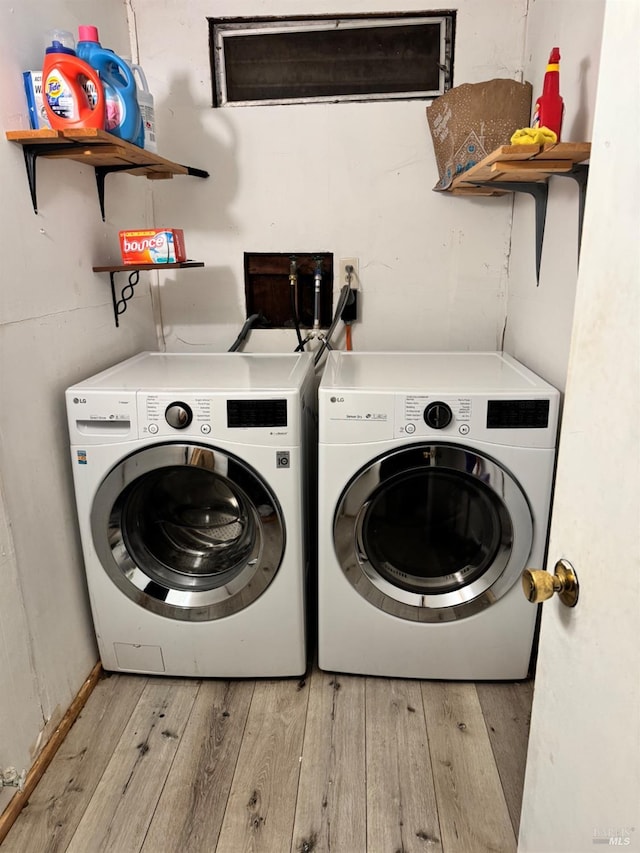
[500, 420]
[419, 414]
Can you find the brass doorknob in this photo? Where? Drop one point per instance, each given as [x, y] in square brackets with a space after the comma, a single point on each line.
[539, 585]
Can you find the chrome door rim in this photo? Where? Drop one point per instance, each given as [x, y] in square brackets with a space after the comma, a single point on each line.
[160, 593]
[481, 593]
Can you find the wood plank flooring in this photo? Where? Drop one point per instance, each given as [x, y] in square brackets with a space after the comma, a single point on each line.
[324, 764]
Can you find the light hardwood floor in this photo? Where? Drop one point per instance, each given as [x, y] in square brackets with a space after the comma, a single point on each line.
[325, 764]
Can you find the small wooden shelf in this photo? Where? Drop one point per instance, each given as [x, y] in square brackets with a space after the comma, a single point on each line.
[520, 164]
[158, 267]
[126, 292]
[102, 151]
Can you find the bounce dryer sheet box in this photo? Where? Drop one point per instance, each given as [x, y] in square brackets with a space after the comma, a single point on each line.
[153, 246]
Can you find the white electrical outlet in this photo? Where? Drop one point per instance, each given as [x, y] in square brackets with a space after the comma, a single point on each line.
[343, 263]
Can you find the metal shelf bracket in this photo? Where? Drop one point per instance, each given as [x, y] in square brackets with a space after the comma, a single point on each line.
[31, 154]
[580, 174]
[101, 174]
[127, 158]
[127, 292]
[540, 192]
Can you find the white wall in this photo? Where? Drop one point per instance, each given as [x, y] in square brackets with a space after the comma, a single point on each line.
[56, 327]
[540, 317]
[20, 711]
[437, 272]
[352, 179]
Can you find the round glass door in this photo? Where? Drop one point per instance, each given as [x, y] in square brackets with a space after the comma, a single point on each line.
[432, 532]
[188, 532]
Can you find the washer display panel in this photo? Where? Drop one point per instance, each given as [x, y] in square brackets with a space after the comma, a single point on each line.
[187, 531]
[433, 532]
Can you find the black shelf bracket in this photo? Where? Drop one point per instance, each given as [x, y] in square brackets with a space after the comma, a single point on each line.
[32, 152]
[103, 171]
[580, 174]
[127, 292]
[196, 173]
[540, 192]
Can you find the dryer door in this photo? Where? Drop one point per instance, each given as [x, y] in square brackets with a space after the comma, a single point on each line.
[186, 531]
[433, 532]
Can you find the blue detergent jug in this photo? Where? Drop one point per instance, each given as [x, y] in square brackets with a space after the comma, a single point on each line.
[123, 117]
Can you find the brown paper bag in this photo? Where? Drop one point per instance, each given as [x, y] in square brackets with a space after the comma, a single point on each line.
[470, 121]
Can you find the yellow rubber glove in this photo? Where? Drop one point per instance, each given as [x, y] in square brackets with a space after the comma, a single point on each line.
[533, 136]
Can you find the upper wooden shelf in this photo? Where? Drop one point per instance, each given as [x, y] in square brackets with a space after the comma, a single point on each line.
[99, 148]
[103, 151]
[520, 164]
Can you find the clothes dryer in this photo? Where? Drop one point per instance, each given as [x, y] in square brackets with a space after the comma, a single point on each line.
[190, 475]
[435, 473]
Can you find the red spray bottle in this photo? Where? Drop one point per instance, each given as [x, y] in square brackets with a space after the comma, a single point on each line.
[549, 107]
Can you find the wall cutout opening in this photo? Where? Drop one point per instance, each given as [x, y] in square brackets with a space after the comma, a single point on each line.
[293, 60]
[271, 292]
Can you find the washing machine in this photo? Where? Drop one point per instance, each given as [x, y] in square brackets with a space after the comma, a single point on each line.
[190, 475]
[435, 473]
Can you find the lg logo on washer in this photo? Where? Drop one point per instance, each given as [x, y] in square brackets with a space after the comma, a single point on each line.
[79, 400]
[337, 399]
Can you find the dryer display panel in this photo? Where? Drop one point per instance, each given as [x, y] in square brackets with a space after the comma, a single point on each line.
[518, 414]
[432, 532]
[187, 531]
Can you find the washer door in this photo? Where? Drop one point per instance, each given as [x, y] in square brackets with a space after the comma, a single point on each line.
[432, 532]
[187, 531]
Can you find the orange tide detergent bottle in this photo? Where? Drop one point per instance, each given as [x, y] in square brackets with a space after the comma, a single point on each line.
[72, 93]
[549, 107]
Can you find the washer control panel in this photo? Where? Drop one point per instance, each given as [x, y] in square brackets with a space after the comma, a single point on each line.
[249, 420]
[169, 414]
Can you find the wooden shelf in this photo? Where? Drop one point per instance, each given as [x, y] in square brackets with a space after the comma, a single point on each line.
[527, 169]
[520, 164]
[126, 292]
[103, 151]
[158, 267]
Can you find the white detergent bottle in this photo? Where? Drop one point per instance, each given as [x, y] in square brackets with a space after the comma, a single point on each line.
[145, 102]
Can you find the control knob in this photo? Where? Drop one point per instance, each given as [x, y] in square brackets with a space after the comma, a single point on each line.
[178, 415]
[438, 415]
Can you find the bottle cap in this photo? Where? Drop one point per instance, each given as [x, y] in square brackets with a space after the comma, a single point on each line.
[555, 56]
[59, 41]
[88, 33]
[57, 47]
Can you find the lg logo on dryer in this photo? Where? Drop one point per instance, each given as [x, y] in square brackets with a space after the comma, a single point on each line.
[337, 399]
[79, 399]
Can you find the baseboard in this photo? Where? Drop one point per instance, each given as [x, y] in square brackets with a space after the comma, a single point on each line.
[20, 799]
